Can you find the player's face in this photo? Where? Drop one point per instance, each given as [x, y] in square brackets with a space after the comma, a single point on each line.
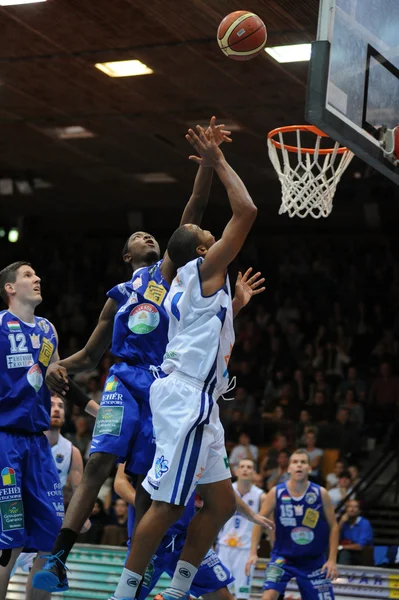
[57, 412]
[205, 238]
[142, 247]
[26, 287]
[245, 471]
[299, 467]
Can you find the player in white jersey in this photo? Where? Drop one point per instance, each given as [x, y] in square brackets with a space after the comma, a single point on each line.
[234, 541]
[189, 436]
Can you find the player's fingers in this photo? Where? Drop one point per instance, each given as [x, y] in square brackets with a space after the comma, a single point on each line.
[254, 277]
[193, 138]
[260, 291]
[247, 273]
[196, 159]
[257, 283]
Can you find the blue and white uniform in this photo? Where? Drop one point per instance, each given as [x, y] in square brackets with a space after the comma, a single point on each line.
[234, 543]
[190, 446]
[301, 540]
[31, 503]
[212, 575]
[62, 455]
[124, 425]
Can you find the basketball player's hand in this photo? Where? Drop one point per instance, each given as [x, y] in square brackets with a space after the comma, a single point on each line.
[209, 152]
[220, 134]
[247, 286]
[263, 522]
[57, 379]
[330, 569]
[252, 560]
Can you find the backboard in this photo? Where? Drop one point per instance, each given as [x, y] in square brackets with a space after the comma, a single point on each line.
[353, 86]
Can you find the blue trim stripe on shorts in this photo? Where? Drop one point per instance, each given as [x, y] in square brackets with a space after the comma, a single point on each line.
[190, 473]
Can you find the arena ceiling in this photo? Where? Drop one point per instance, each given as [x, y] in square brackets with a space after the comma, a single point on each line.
[48, 81]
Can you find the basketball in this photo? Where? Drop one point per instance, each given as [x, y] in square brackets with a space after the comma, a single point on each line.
[241, 35]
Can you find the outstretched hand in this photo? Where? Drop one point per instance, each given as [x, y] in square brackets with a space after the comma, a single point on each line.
[206, 145]
[220, 134]
[247, 286]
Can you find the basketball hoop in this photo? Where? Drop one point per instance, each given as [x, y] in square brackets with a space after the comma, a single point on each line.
[389, 142]
[309, 185]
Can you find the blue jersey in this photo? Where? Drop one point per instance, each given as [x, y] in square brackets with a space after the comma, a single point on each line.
[25, 353]
[140, 332]
[178, 528]
[302, 531]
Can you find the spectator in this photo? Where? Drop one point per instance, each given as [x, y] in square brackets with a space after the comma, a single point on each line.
[332, 478]
[319, 409]
[280, 473]
[98, 520]
[355, 533]
[341, 434]
[82, 437]
[315, 456]
[116, 533]
[342, 490]
[384, 394]
[356, 412]
[269, 462]
[244, 449]
[242, 403]
[319, 385]
[305, 422]
[352, 382]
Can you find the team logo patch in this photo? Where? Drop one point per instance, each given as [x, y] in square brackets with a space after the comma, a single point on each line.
[35, 377]
[250, 502]
[161, 467]
[184, 572]
[46, 352]
[13, 326]
[122, 289]
[138, 282]
[143, 319]
[279, 561]
[35, 341]
[111, 384]
[44, 326]
[310, 498]
[155, 292]
[59, 458]
[311, 518]
[273, 573]
[8, 476]
[302, 536]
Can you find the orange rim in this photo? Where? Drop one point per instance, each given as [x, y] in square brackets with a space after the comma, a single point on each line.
[312, 129]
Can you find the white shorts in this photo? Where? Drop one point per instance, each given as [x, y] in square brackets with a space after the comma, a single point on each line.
[189, 435]
[235, 559]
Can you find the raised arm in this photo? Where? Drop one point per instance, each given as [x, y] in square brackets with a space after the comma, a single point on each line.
[244, 210]
[89, 356]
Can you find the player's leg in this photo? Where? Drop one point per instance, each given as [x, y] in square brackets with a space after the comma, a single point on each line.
[32, 593]
[277, 577]
[226, 557]
[242, 580]
[5, 570]
[213, 579]
[314, 585]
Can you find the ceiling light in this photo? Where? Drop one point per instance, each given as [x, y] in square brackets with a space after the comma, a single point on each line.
[72, 132]
[124, 68]
[2, 232]
[6, 187]
[23, 187]
[154, 177]
[13, 235]
[41, 184]
[293, 53]
[15, 2]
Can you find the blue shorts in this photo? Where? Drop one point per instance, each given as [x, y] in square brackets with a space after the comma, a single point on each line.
[211, 576]
[312, 583]
[124, 423]
[31, 501]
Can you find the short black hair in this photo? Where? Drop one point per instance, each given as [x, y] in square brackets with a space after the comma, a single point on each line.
[182, 246]
[9, 275]
[345, 474]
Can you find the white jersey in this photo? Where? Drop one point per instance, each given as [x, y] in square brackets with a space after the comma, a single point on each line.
[201, 333]
[237, 532]
[62, 455]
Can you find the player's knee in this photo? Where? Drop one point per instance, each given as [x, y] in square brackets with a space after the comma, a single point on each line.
[98, 468]
[169, 513]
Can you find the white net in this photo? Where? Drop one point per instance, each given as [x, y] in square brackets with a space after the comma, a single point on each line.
[308, 180]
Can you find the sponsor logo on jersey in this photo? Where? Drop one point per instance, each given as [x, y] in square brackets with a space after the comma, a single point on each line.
[161, 466]
[59, 458]
[133, 299]
[155, 292]
[19, 361]
[143, 319]
[273, 573]
[138, 282]
[201, 471]
[171, 354]
[13, 326]
[285, 498]
[111, 384]
[148, 574]
[8, 476]
[122, 289]
[35, 377]
[298, 510]
[44, 326]
[311, 518]
[310, 498]
[46, 352]
[35, 341]
[302, 536]
[279, 561]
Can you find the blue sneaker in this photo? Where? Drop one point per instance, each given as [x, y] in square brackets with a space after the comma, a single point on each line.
[52, 578]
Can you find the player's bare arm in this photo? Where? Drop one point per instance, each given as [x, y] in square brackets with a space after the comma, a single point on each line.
[246, 512]
[198, 200]
[220, 255]
[123, 486]
[267, 508]
[330, 567]
[88, 357]
[76, 468]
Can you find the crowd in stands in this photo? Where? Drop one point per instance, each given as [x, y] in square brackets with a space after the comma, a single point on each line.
[315, 361]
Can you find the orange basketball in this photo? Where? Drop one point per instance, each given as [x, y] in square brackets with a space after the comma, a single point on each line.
[241, 35]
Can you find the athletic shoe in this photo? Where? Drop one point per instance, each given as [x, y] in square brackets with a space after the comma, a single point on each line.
[52, 578]
[173, 594]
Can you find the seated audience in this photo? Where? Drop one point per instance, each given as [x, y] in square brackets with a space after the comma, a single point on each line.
[355, 534]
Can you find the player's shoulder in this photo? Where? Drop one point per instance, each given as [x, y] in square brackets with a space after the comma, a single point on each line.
[3, 316]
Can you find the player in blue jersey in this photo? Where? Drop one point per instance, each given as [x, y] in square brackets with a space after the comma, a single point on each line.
[212, 578]
[305, 527]
[134, 319]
